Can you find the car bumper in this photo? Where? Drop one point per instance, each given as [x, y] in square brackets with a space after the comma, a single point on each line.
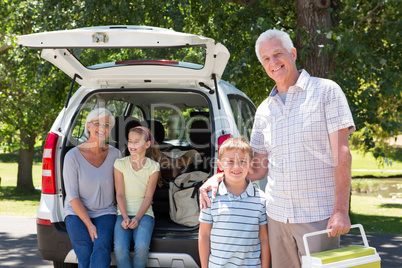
[53, 242]
[166, 251]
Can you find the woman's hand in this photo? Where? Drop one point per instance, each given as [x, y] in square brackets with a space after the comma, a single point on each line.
[81, 211]
[210, 185]
[93, 233]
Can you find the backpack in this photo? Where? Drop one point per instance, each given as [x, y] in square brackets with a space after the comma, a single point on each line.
[184, 198]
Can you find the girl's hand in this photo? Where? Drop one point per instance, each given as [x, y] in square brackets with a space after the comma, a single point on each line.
[125, 223]
[133, 223]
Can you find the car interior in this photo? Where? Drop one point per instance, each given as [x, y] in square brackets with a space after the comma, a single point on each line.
[179, 121]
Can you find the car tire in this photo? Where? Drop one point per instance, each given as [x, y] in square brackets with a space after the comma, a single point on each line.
[59, 264]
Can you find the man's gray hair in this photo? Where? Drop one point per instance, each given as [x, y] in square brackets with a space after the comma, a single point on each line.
[273, 34]
[96, 114]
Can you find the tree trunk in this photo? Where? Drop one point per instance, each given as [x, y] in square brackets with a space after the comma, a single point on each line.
[313, 15]
[25, 161]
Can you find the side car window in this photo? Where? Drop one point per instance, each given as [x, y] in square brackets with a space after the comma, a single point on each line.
[243, 113]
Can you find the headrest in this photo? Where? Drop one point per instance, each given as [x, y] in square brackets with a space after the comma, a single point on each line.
[199, 114]
[156, 128]
[200, 133]
[121, 128]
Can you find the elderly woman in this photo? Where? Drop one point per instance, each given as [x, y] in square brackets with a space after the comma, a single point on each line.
[89, 209]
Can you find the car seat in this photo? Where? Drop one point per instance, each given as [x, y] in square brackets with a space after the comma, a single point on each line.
[200, 139]
[119, 133]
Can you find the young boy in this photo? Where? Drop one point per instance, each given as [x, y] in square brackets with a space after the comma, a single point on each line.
[233, 231]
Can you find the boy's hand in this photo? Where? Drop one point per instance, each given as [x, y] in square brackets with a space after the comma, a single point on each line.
[210, 185]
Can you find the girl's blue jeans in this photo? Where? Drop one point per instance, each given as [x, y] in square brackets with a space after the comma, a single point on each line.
[91, 254]
[142, 239]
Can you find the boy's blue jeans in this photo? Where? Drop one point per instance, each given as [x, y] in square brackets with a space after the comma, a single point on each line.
[142, 239]
[91, 254]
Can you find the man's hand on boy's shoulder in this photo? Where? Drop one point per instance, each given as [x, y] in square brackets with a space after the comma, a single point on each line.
[210, 185]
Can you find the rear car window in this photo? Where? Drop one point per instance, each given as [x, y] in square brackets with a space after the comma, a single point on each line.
[116, 107]
[177, 121]
[175, 111]
[192, 57]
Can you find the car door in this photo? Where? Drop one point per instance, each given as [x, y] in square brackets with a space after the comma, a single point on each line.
[61, 47]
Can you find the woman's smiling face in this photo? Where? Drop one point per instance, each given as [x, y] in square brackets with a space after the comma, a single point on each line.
[99, 128]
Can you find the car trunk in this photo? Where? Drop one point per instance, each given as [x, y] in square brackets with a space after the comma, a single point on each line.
[135, 104]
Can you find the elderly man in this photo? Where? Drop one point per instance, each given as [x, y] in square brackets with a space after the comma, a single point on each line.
[300, 138]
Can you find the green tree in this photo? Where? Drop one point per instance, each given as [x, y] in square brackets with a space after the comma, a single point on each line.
[367, 62]
[31, 91]
[352, 42]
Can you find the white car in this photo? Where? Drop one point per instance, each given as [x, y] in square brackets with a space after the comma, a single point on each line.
[166, 80]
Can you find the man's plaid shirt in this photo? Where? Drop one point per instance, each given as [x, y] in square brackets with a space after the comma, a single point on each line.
[295, 136]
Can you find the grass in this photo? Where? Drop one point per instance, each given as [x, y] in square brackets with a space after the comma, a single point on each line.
[9, 171]
[12, 201]
[380, 210]
[368, 162]
[377, 215]
[16, 203]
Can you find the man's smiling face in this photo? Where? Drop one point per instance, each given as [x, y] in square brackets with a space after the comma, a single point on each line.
[278, 62]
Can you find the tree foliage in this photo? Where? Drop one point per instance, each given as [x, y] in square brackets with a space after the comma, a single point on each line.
[355, 42]
[367, 65]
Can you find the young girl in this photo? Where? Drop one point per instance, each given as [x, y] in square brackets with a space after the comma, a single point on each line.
[136, 177]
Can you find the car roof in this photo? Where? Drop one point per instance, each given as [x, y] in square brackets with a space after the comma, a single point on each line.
[57, 48]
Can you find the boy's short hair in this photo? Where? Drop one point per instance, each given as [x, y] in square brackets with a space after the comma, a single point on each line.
[235, 144]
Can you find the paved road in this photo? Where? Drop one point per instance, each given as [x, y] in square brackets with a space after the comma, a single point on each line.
[389, 247]
[18, 244]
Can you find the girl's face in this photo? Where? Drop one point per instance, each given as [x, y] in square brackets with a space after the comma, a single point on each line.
[137, 144]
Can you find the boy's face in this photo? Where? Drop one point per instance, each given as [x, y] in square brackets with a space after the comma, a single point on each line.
[235, 164]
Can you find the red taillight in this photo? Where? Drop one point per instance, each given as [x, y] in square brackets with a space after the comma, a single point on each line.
[221, 139]
[48, 167]
[43, 222]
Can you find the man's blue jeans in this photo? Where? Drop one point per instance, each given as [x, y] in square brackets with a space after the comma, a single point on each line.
[91, 254]
[142, 239]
